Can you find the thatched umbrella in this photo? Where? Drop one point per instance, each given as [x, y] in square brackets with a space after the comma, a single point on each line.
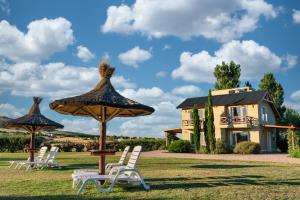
[32, 122]
[103, 103]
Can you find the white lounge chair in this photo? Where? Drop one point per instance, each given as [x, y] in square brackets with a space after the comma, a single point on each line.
[50, 161]
[108, 166]
[40, 157]
[127, 173]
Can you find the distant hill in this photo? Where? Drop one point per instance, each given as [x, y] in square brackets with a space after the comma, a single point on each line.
[2, 120]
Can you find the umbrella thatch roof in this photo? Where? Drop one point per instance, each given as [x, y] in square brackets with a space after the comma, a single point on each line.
[34, 120]
[103, 95]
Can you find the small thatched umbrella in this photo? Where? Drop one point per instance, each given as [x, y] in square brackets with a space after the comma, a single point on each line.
[102, 103]
[32, 122]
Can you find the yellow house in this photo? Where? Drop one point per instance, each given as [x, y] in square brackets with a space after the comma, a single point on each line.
[240, 114]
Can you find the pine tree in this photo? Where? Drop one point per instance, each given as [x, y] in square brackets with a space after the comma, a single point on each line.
[210, 123]
[227, 75]
[197, 129]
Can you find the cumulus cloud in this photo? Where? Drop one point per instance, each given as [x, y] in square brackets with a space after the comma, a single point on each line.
[219, 20]
[296, 16]
[54, 80]
[187, 91]
[43, 38]
[134, 56]
[255, 60]
[161, 74]
[81, 125]
[296, 95]
[9, 110]
[84, 54]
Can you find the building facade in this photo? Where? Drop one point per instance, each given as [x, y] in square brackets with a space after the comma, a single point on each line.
[240, 114]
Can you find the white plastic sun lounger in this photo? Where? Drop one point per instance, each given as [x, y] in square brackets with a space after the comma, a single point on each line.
[40, 157]
[108, 166]
[50, 161]
[127, 173]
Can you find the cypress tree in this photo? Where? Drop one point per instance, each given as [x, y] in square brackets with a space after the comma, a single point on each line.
[210, 123]
[205, 130]
[197, 128]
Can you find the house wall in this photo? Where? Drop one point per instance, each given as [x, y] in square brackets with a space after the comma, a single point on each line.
[271, 116]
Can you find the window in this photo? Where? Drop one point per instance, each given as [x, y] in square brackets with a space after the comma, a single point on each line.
[200, 113]
[237, 137]
[237, 111]
[264, 114]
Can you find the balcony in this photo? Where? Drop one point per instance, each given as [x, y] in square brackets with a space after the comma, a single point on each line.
[238, 121]
[190, 123]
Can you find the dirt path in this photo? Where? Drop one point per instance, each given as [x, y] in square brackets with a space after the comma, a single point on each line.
[278, 158]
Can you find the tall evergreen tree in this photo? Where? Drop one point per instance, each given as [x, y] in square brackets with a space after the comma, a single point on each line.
[210, 123]
[275, 90]
[227, 75]
[205, 130]
[248, 84]
[197, 129]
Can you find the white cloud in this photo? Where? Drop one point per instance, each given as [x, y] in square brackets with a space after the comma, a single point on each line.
[161, 74]
[187, 91]
[220, 20]
[296, 95]
[134, 56]
[296, 16]
[84, 54]
[165, 116]
[291, 61]
[81, 125]
[11, 111]
[44, 37]
[167, 46]
[54, 80]
[255, 60]
[4, 7]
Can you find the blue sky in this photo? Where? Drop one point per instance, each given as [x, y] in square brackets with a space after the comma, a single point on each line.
[163, 51]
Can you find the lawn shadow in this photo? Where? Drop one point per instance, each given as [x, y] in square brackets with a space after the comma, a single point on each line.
[77, 166]
[187, 183]
[222, 166]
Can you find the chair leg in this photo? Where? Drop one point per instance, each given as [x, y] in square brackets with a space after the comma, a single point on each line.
[147, 187]
[82, 187]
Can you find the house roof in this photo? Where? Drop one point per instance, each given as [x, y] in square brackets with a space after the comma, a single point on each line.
[243, 98]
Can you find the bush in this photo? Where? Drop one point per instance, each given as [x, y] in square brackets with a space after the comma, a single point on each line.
[92, 145]
[147, 144]
[180, 146]
[17, 143]
[295, 153]
[79, 147]
[203, 149]
[296, 140]
[247, 148]
[222, 147]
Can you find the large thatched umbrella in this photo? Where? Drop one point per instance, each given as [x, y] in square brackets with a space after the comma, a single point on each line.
[32, 122]
[102, 103]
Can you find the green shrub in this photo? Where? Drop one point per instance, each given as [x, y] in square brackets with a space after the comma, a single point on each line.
[79, 147]
[203, 149]
[147, 144]
[296, 140]
[66, 146]
[92, 145]
[17, 142]
[222, 147]
[295, 153]
[247, 148]
[180, 146]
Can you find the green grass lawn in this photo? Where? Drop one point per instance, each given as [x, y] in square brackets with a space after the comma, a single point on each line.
[169, 178]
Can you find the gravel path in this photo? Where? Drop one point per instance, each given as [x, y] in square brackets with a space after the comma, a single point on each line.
[276, 157]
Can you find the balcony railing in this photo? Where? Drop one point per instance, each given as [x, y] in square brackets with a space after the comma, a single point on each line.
[238, 120]
[190, 122]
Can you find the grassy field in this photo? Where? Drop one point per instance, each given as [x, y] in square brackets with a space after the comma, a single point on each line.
[169, 179]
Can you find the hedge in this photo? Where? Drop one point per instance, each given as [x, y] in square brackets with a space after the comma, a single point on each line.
[17, 143]
[180, 146]
[222, 147]
[247, 148]
[147, 144]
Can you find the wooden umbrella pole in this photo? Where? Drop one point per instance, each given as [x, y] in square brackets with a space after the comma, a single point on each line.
[32, 146]
[102, 142]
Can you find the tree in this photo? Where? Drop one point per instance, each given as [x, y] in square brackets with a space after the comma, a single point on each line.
[227, 75]
[210, 126]
[275, 90]
[197, 129]
[205, 130]
[291, 117]
[248, 84]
